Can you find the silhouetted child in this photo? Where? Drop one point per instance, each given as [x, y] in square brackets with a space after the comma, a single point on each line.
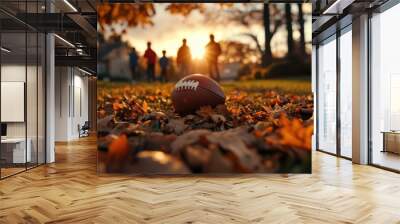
[133, 61]
[164, 63]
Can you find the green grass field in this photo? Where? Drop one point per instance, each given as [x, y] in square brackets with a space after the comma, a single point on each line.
[292, 86]
[280, 85]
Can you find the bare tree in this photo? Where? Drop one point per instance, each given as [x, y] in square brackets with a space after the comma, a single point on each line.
[269, 16]
[289, 28]
[267, 54]
[301, 25]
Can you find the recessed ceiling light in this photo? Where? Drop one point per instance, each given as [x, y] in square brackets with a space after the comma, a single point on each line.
[64, 40]
[337, 7]
[84, 71]
[70, 5]
[5, 50]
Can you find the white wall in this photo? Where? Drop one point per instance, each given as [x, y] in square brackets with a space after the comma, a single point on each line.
[62, 81]
[71, 94]
[81, 94]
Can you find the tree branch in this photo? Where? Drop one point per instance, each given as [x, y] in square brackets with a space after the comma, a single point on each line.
[255, 39]
[277, 24]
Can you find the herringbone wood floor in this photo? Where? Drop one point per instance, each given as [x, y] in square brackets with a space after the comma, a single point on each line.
[70, 191]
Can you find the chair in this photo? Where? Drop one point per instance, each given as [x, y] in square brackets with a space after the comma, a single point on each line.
[84, 130]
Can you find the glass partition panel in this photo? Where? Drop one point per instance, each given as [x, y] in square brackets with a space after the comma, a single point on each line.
[31, 97]
[346, 94]
[14, 150]
[327, 96]
[32, 86]
[385, 89]
[22, 77]
[41, 86]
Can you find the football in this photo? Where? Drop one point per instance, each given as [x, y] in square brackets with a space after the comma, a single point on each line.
[194, 91]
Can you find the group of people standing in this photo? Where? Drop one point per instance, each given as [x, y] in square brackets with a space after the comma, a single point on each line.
[183, 61]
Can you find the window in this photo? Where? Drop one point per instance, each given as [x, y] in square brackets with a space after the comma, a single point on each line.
[385, 89]
[22, 77]
[346, 93]
[327, 96]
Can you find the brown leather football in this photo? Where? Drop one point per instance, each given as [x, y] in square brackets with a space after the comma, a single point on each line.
[195, 91]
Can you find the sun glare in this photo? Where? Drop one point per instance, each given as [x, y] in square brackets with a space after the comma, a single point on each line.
[197, 43]
[197, 51]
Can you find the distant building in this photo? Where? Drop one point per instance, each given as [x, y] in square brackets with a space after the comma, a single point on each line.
[230, 71]
[118, 64]
[113, 61]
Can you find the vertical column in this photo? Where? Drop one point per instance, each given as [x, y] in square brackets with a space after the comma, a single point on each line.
[92, 99]
[50, 92]
[314, 91]
[360, 90]
[338, 92]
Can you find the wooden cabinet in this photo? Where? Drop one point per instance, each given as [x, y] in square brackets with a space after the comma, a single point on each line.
[391, 141]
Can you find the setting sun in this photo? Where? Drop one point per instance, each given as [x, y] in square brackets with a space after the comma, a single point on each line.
[197, 51]
[196, 40]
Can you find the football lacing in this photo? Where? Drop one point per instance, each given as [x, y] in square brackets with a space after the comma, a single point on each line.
[187, 84]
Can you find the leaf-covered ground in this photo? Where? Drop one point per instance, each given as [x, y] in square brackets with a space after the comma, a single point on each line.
[264, 127]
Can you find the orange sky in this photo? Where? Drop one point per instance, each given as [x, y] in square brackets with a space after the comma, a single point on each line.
[169, 30]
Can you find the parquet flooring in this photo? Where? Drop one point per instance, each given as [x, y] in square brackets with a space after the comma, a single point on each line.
[70, 191]
[11, 170]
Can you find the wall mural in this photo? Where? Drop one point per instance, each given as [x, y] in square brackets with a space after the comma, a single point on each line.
[204, 88]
